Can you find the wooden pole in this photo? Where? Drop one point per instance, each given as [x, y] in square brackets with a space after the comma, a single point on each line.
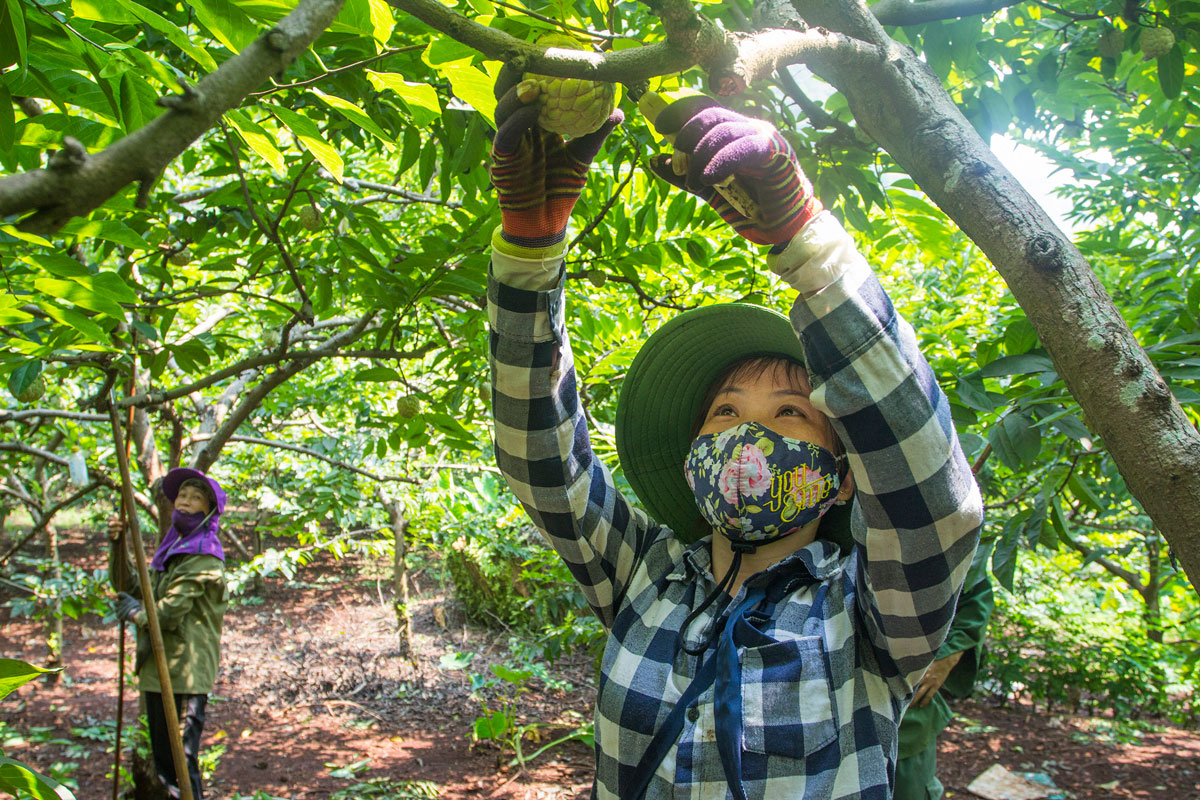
[156, 642]
[120, 566]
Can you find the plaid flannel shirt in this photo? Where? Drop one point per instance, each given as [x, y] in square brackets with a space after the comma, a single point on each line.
[836, 651]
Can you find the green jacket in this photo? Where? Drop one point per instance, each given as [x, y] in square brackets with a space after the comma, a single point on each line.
[191, 597]
[920, 726]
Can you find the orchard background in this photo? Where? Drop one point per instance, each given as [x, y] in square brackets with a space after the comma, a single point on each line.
[259, 230]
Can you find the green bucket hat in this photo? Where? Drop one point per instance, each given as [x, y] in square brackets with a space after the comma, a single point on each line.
[661, 397]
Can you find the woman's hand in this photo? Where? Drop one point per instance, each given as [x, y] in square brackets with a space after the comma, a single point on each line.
[538, 176]
[720, 143]
[115, 526]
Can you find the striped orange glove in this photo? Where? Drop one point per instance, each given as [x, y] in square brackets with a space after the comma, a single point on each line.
[538, 176]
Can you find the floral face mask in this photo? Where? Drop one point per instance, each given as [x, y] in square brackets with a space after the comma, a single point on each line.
[754, 485]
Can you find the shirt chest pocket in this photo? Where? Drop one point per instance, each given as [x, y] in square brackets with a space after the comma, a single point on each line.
[788, 708]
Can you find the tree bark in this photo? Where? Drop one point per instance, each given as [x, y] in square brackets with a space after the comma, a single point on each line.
[903, 106]
[75, 183]
[54, 622]
[399, 523]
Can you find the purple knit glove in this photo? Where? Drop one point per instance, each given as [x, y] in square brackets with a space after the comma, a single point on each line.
[720, 143]
[538, 177]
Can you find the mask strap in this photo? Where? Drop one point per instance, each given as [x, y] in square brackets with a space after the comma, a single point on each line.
[738, 548]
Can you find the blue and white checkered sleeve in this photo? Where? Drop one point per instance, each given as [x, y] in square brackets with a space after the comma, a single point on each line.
[541, 441]
[917, 507]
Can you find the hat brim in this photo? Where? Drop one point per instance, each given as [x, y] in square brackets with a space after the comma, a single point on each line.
[661, 396]
[175, 478]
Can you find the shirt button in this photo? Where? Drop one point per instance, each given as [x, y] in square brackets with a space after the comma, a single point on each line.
[693, 714]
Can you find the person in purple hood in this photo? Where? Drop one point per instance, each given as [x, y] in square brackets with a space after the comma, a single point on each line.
[190, 595]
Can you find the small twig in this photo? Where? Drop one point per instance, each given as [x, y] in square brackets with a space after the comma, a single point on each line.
[558, 22]
[339, 70]
[1071, 15]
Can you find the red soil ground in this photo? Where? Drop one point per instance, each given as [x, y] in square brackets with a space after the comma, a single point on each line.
[310, 682]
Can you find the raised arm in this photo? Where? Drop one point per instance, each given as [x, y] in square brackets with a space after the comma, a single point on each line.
[541, 434]
[918, 509]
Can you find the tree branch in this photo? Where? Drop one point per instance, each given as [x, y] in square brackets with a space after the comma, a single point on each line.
[30, 450]
[43, 413]
[761, 54]
[208, 454]
[906, 12]
[77, 183]
[295, 448]
[627, 66]
[356, 185]
[1131, 579]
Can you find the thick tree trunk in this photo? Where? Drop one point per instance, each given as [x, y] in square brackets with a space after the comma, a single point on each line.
[903, 106]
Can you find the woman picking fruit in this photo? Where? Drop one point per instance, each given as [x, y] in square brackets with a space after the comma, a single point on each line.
[749, 655]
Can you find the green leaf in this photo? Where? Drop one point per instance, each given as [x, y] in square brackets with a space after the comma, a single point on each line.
[176, 35]
[8, 119]
[1059, 521]
[13, 33]
[21, 781]
[310, 137]
[1004, 557]
[382, 22]
[19, 380]
[15, 673]
[11, 312]
[228, 23]
[92, 332]
[82, 294]
[258, 138]
[420, 98]
[1016, 441]
[1170, 71]
[1083, 492]
[110, 230]
[473, 86]
[1019, 337]
[102, 11]
[972, 393]
[355, 115]
[32, 238]
[456, 434]
[515, 676]
[1023, 364]
[455, 661]
[491, 726]
[377, 374]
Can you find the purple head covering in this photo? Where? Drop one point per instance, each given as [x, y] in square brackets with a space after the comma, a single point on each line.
[193, 534]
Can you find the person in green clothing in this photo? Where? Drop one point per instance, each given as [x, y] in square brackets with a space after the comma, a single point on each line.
[190, 595]
[952, 672]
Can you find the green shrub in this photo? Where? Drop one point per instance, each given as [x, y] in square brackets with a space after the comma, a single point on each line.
[1062, 649]
[508, 577]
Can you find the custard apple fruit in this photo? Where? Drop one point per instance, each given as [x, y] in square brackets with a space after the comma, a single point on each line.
[570, 106]
[180, 258]
[310, 218]
[33, 392]
[408, 406]
[1157, 42]
[1112, 43]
